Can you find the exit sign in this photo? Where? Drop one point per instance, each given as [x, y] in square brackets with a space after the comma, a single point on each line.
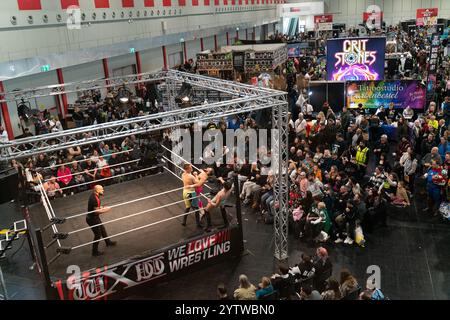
[45, 68]
[132, 50]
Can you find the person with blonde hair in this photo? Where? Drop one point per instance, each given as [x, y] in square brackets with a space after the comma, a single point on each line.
[246, 290]
[319, 221]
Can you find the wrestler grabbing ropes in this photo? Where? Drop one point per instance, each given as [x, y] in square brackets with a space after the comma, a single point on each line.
[190, 182]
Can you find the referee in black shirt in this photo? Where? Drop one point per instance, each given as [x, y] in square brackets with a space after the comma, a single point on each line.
[93, 219]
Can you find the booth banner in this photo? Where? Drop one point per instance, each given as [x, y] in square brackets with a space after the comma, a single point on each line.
[294, 49]
[326, 26]
[373, 94]
[323, 22]
[427, 17]
[356, 59]
[111, 281]
[432, 65]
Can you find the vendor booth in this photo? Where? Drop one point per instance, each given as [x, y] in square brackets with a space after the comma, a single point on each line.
[243, 62]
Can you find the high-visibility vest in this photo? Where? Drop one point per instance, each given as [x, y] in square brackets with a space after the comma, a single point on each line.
[361, 155]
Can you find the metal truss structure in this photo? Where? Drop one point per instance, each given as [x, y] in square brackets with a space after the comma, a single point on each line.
[245, 99]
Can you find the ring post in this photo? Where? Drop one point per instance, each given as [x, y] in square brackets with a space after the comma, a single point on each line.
[44, 264]
[26, 216]
[239, 213]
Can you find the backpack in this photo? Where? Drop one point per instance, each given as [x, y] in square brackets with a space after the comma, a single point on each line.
[378, 295]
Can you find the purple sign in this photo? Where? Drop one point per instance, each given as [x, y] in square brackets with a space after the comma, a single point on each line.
[373, 94]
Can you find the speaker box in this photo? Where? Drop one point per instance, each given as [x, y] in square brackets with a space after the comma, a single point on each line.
[9, 180]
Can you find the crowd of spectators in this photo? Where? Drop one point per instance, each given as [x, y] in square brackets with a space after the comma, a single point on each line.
[310, 279]
[79, 168]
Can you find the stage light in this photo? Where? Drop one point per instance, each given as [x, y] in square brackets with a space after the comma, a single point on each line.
[184, 94]
[123, 95]
[124, 99]
[310, 93]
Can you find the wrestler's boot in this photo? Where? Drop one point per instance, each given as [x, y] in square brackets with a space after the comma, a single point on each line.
[208, 221]
[185, 217]
[224, 217]
[197, 218]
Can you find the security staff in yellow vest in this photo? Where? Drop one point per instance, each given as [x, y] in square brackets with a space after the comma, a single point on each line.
[362, 155]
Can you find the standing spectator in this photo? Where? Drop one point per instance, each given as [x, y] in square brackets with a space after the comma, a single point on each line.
[323, 269]
[3, 135]
[381, 148]
[78, 117]
[446, 105]
[434, 182]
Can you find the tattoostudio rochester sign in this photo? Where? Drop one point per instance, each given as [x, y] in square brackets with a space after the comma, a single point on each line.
[111, 282]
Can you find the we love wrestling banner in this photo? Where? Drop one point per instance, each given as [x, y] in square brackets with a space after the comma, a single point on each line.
[113, 281]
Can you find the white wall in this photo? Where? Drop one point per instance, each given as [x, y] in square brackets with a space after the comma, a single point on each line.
[119, 62]
[258, 33]
[305, 11]
[222, 40]
[193, 47]
[85, 71]
[41, 38]
[174, 54]
[151, 60]
[208, 43]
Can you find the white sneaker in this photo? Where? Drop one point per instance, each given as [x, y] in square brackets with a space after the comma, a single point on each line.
[348, 241]
[338, 240]
[324, 236]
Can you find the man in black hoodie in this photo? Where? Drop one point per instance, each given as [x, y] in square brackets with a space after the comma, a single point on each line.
[345, 118]
[339, 145]
[428, 144]
[346, 222]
